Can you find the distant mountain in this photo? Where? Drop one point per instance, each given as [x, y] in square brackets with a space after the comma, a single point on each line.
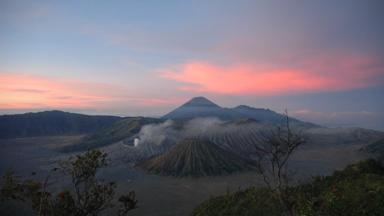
[201, 107]
[258, 113]
[266, 115]
[196, 157]
[116, 132]
[200, 102]
[51, 123]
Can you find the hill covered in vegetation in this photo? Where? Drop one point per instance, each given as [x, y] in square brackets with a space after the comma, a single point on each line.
[195, 157]
[50, 123]
[118, 131]
[358, 190]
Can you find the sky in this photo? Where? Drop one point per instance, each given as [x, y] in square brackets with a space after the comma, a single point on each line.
[321, 60]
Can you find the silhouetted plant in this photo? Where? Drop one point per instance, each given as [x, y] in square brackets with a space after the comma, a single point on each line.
[274, 148]
[88, 195]
[128, 202]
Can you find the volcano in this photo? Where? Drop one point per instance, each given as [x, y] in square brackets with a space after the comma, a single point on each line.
[196, 158]
[201, 107]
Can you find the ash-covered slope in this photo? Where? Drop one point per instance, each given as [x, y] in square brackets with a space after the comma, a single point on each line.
[195, 157]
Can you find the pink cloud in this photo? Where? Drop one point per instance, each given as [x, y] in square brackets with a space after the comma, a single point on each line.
[330, 73]
[22, 91]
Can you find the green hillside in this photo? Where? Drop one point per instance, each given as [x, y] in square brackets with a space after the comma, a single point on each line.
[49, 123]
[358, 190]
[116, 132]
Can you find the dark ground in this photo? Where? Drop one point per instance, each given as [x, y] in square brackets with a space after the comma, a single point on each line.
[160, 195]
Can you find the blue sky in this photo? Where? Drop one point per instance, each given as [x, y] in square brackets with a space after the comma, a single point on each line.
[323, 60]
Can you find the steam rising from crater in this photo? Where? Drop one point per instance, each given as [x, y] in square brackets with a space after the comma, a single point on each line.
[136, 142]
[156, 133]
[171, 131]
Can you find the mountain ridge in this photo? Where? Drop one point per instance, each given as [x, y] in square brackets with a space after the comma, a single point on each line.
[52, 122]
[203, 107]
[55, 122]
[118, 131]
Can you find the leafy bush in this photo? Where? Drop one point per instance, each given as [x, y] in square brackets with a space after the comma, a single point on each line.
[252, 201]
[358, 190]
[88, 195]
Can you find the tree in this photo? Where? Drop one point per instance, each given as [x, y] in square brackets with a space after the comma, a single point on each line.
[274, 148]
[88, 196]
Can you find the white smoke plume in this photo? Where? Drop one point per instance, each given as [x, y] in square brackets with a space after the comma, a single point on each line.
[136, 142]
[198, 126]
[156, 133]
[171, 131]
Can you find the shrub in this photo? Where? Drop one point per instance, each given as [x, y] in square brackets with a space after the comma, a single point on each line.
[358, 190]
[88, 195]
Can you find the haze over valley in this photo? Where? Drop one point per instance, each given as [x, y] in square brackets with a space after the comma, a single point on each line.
[191, 108]
[197, 146]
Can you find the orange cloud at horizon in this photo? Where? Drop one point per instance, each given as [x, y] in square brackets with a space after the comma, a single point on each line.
[22, 91]
[321, 75]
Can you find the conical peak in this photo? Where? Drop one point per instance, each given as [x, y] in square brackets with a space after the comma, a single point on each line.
[200, 101]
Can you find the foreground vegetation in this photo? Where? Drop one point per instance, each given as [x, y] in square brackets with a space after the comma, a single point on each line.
[358, 190]
[87, 196]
